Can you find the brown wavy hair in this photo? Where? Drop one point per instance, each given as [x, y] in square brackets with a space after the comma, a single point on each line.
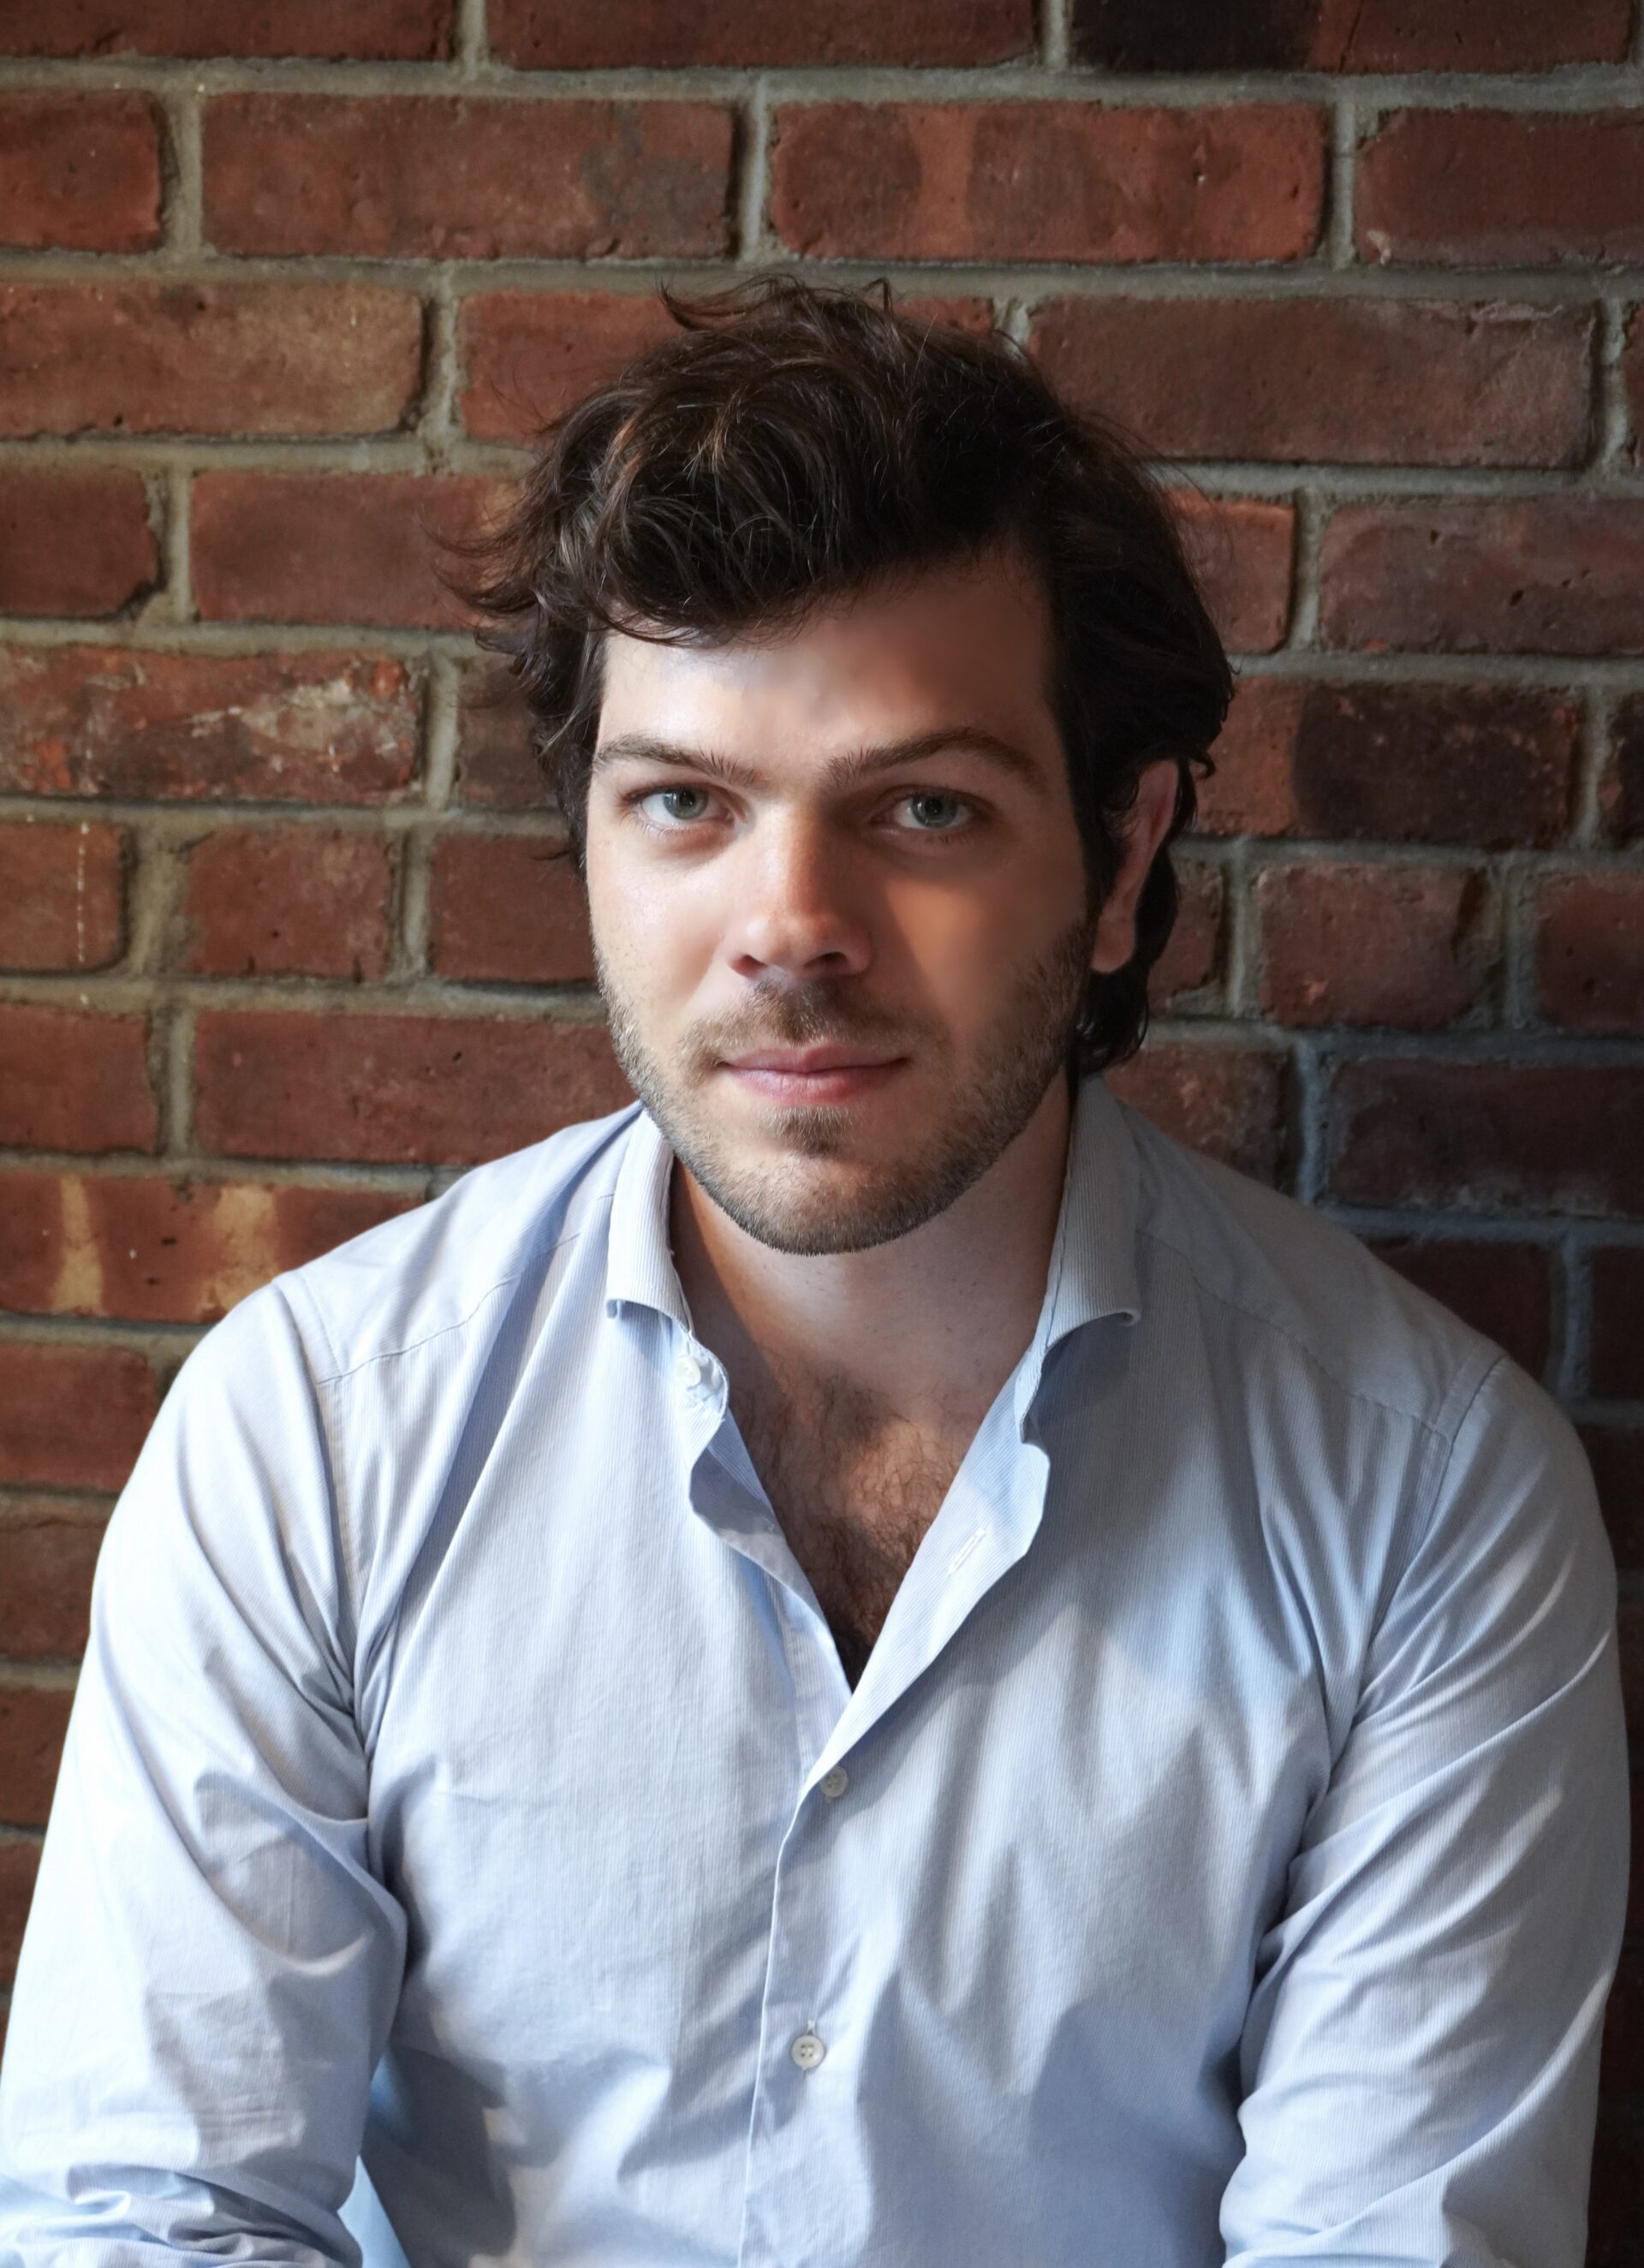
[795, 443]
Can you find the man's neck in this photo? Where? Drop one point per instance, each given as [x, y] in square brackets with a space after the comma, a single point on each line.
[932, 1324]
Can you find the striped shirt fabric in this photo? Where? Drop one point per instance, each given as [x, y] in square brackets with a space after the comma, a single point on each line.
[1220, 1858]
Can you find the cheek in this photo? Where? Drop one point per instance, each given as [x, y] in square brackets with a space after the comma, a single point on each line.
[656, 941]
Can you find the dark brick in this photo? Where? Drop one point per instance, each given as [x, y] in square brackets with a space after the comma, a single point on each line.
[395, 1090]
[1229, 1102]
[496, 769]
[76, 1417]
[1589, 951]
[75, 1081]
[1242, 552]
[409, 31]
[194, 727]
[1347, 35]
[287, 901]
[1616, 1355]
[1047, 181]
[1623, 788]
[1478, 186]
[1406, 946]
[48, 1547]
[230, 358]
[397, 177]
[1543, 1138]
[33, 1720]
[1356, 381]
[79, 172]
[61, 894]
[1615, 1453]
[1193, 954]
[19, 1862]
[73, 544]
[1544, 575]
[661, 36]
[510, 909]
[1503, 1290]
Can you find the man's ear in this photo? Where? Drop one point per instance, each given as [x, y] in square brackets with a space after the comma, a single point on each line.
[1144, 830]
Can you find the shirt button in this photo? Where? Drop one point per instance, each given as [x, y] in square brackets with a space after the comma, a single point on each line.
[689, 1371]
[808, 2050]
[834, 1782]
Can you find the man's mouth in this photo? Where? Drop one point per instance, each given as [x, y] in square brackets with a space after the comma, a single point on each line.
[812, 1075]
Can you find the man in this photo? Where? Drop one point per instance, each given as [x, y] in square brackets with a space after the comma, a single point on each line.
[867, 1662]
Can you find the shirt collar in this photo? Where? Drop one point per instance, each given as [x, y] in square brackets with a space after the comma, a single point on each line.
[1093, 1260]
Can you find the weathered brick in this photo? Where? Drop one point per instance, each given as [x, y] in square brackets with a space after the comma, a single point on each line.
[1503, 1290]
[661, 36]
[1615, 1361]
[1615, 1453]
[1348, 35]
[174, 357]
[61, 894]
[74, 543]
[48, 1547]
[1242, 551]
[1047, 181]
[19, 1862]
[362, 548]
[1544, 575]
[33, 1720]
[509, 908]
[196, 728]
[1622, 789]
[1229, 1101]
[1476, 185]
[1632, 381]
[496, 769]
[75, 1081]
[288, 902]
[75, 1415]
[1193, 954]
[395, 1090]
[1589, 951]
[409, 177]
[146, 1250]
[1356, 381]
[529, 357]
[1406, 946]
[79, 172]
[1544, 1137]
[399, 30]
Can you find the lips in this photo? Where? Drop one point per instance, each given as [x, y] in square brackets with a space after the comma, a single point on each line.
[805, 1062]
[813, 1075]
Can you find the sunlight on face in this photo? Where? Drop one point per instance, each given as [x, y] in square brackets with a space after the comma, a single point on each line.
[838, 901]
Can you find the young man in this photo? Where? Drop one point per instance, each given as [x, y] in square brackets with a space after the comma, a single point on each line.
[867, 1662]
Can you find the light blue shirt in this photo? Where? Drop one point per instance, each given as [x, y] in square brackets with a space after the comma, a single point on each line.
[1220, 1858]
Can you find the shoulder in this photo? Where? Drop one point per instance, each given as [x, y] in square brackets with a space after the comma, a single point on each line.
[431, 1270]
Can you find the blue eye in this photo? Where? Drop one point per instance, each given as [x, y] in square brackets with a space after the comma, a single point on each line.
[933, 812]
[680, 804]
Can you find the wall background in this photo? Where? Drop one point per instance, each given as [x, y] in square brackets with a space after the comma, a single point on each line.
[289, 280]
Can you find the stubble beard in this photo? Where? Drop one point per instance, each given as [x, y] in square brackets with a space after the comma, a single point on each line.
[793, 1203]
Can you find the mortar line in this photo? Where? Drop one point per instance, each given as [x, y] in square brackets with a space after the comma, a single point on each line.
[751, 190]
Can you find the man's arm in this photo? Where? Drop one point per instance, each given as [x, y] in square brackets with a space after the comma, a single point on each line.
[1420, 2058]
[209, 1968]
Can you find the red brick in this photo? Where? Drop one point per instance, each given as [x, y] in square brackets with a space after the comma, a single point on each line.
[1047, 181]
[19, 1862]
[1475, 186]
[1349, 35]
[1251, 790]
[332, 547]
[1633, 379]
[1242, 552]
[395, 1090]
[530, 357]
[1544, 1137]
[79, 172]
[406, 31]
[1503, 1290]
[73, 544]
[508, 908]
[662, 35]
[234, 359]
[291, 901]
[145, 1250]
[1193, 954]
[1616, 1354]
[399, 177]
[33, 1720]
[1227, 1101]
[1355, 381]
[1545, 575]
[1621, 2066]
[48, 1547]
[496, 769]
[1406, 946]
[1589, 951]
[1622, 790]
[1615, 1453]
[61, 894]
[194, 727]
[75, 1082]
[75, 1415]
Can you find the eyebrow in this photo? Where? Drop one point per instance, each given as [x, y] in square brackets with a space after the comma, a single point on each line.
[841, 771]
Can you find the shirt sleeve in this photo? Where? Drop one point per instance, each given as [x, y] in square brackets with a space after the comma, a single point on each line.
[209, 1968]
[1420, 2056]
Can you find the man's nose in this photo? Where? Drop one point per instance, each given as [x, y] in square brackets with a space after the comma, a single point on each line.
[796, 912]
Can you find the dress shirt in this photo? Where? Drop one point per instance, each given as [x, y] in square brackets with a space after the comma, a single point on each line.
[1220, 1858]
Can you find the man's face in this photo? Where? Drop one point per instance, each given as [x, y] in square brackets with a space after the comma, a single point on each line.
[838, 901]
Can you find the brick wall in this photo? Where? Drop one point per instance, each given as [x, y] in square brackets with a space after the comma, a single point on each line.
[287, 286]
